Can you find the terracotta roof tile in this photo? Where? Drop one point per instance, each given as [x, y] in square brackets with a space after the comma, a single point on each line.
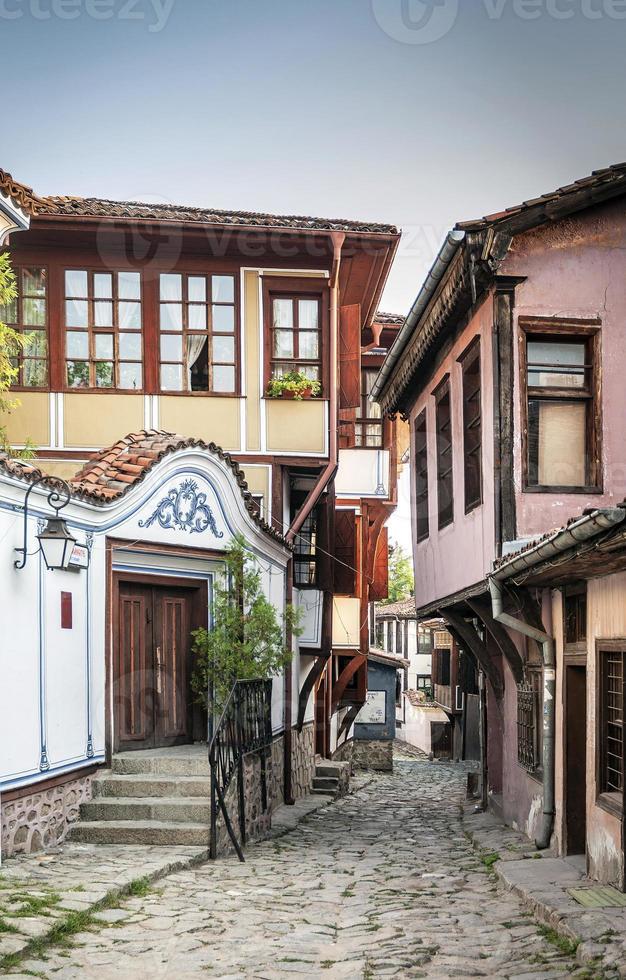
[405, 609]
[393, 319]
[20, 193]
[95, 207]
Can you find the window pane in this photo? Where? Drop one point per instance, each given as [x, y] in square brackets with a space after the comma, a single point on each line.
[130, 346]
[33, 282]
[308, 310]
[104, 346]
[129, 285]
[282, 313]
[77, 374]
[171, 287]
[171, 377]
[34, 374]
[104, 375]
[172, 316]
[557, 443]
[130, 376]
[223, 288]
[224, 349]
[283, 343]
[34, 312]
[560, 364]
[310, 371]
[198, 362]
[103, 314]
[196, 289]
[77, 344]
[197, 317]
[8, 312]
[103, 285]
[223, 378]
[37, 344]
[308, 344]
[129, 316]
[223, 319]
[76, 284]
[76, 313]
[171, 348]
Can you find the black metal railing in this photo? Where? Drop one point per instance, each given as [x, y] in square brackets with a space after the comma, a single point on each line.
[245, 726]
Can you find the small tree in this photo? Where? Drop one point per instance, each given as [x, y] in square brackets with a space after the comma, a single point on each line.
[401, 581]
[248, 636]
[11, 342]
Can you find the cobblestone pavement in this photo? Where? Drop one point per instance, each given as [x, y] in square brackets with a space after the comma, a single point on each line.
[382, 883]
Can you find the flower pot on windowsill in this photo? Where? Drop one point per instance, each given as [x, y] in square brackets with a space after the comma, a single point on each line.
[297, 395]
[295, 386]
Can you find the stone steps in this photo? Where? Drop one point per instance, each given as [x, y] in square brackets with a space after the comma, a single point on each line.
[158, 762]
[331, 778]
[150, 785]
[162, 809]
[154, 832]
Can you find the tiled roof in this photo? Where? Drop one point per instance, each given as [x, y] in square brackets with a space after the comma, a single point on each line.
[103, 208]
[20, 193]
[392, 319]
[613, 177]
[388, 659]
[405, 609]
[416, 698]
[112, 472]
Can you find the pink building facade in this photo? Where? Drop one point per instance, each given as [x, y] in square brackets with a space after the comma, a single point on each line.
[510, 371]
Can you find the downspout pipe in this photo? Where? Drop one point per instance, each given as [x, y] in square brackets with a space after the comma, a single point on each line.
[578, 532]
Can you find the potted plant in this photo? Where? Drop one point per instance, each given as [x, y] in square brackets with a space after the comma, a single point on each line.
[294, 384]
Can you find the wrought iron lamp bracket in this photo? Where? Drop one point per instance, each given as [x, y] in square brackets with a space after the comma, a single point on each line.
[59, 495]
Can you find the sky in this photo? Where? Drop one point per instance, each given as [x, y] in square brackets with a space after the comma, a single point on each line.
[415, 112]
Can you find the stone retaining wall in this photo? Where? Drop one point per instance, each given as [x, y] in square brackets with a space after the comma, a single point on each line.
[365, 754]
[302, 760]
[43, 818]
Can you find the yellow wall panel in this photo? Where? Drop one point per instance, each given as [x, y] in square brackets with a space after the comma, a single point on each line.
[258, 479]
[295, 427]
[252, 355]
[96, 421]
[30, 420]
[346, 622]
[212, 419]
[64, 468]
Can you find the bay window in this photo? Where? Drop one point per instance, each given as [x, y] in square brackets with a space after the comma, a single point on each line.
[28, 315]
[295, 341]
[103, 324]
[369, 424]
[562, 429]
[198, 344]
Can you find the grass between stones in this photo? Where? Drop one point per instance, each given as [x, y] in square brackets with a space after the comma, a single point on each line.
[566, 946]
[65, 928]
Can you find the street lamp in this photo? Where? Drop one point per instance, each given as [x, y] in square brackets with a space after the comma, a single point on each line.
[55, 541]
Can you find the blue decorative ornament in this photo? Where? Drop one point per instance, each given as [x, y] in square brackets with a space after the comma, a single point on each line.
[185, 509]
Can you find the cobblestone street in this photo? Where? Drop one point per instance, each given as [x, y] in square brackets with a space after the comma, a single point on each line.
[382, 883]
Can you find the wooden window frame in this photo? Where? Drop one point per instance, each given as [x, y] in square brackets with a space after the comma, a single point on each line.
[93, 331]
[209, 333]
[609, 801]
[363, 420]
[551, 328]
[471, 425]
[445, 475]
[294, 288]
[422, 520]
[575, 592]
[22, 328]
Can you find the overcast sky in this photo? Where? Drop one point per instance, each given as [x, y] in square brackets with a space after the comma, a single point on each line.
[418, 112]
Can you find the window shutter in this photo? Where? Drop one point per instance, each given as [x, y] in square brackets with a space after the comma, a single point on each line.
[379, 588]
[345, 552]
[350, 356]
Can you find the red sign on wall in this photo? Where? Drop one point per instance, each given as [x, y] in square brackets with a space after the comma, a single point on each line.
[66, 610]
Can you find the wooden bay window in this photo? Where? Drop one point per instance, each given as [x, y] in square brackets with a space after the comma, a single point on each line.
[472, 426]
[198, 339]
[103, 330]
[295, 313]
[561, 401]
[443, 426]
[28, 315]
[369, 423]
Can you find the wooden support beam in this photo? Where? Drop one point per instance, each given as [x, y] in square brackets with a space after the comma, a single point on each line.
[350, 717]
[310, 681]
[501, 637]
[467, 637]
[357, 661]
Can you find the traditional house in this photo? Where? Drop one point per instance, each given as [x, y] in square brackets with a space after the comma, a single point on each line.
[395, 630]
[509, 371]
[161, 319]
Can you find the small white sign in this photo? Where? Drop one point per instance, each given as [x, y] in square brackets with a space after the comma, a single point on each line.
[80, 556]
[374, 711]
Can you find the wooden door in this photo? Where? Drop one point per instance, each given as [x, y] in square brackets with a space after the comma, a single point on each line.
[152, 696]
[320, 717]
[576, 758]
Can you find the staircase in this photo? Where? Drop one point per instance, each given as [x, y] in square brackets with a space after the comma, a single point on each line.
[331, 778]
[157, 796]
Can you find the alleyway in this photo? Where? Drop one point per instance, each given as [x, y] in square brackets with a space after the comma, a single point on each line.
[383, 883]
